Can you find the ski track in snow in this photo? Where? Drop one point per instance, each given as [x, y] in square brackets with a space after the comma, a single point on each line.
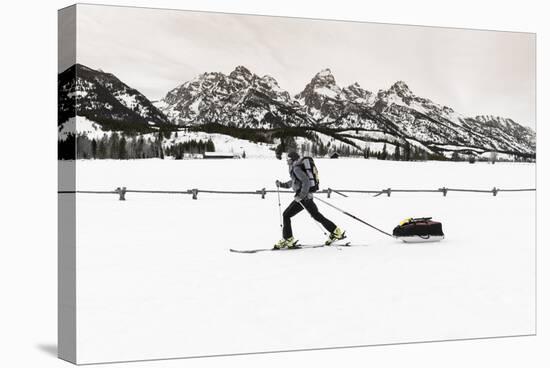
[156, 275]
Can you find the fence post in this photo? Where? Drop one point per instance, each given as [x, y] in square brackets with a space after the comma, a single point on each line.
[263, 193]
[329, 191]
[444, 190]
[195, 192]
[495, 191]
[389, 192]
[121, 193]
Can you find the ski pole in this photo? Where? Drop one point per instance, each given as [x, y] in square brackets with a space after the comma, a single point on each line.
[316, 223]
[354, 217]
[279, 199]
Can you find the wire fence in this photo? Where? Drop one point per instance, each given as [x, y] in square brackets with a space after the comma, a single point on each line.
[122, 191]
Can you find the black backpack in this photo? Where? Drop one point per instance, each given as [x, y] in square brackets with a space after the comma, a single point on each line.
[308, 165]
[423, 227]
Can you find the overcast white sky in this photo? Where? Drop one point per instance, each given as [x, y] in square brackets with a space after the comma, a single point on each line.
[153, 50]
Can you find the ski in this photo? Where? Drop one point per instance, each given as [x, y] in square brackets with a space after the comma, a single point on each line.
[331, 242]
[297, 247]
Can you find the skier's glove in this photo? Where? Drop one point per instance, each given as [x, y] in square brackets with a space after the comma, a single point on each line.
[298, 199]
[278, 183]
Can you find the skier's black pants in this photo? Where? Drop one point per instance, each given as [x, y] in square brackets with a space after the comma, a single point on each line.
[295, 207]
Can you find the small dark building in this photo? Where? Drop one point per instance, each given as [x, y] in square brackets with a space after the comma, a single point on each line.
[218, 155]
[334, 155]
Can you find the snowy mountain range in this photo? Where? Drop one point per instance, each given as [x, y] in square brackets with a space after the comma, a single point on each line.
[103, 98]
[241, 99]
[245, 102]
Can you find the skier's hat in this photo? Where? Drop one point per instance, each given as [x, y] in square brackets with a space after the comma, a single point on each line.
[293, 155]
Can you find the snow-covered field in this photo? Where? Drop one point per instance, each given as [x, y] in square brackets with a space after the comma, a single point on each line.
[155, 278]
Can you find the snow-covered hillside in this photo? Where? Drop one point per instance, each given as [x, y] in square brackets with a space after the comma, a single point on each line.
[79, 125]
[226, 144]
[104, 99]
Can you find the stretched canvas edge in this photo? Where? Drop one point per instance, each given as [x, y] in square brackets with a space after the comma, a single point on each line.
[66, 224]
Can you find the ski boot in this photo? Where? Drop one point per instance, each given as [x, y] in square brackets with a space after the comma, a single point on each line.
[336, 235]
[286, 243]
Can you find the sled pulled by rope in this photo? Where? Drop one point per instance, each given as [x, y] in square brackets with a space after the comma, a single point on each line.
[419, 230]
[410, 230]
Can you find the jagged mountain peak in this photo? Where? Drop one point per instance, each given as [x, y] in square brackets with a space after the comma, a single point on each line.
[355, 93]
[209, 75]
[240, 98]
[356, 88]
[322, 84]
[269, 78]
[322, 97]
[242, 73]
[324, 72]
[242, 69]
[269, 81]
[325, 76]
[401, 88]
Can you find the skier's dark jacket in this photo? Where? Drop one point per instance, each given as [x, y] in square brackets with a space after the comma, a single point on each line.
[299, 180]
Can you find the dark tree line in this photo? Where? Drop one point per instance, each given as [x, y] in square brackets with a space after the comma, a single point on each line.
[113, 146]
[121, 147]
[178, 150]
[319, 149]
[405, 152]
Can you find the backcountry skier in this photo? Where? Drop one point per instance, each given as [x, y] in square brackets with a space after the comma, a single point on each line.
[302, 182]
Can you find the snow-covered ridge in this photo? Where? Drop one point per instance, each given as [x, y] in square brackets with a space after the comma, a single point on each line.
[106, 100]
